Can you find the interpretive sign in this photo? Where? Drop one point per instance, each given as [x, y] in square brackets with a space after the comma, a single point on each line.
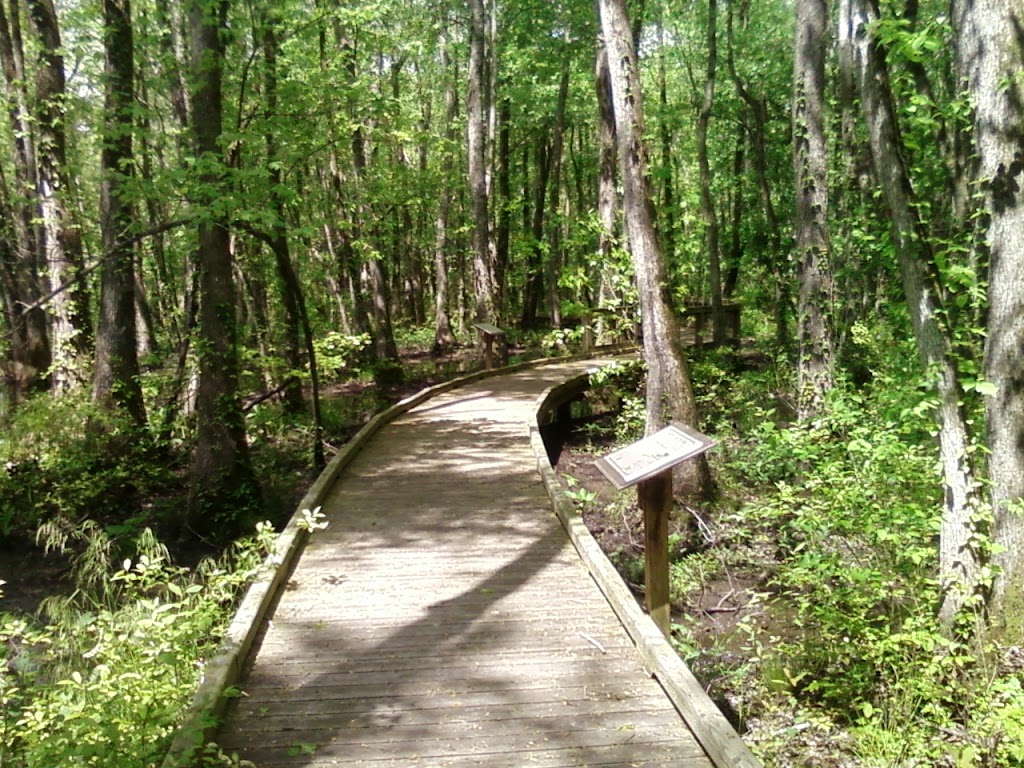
[647, 457]
[489, 333]
[647, 464]
[489, 330]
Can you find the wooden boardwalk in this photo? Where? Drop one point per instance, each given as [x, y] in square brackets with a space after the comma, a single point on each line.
[444, 618]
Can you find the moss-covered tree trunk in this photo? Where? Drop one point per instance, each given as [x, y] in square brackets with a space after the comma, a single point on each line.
[990, 63]
[815, 334]
[223, 487]
[476, 137]
[71, 326]
[444, 337]
[116, 372]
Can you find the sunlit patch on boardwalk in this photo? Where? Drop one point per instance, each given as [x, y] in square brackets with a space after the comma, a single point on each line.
[444, 619]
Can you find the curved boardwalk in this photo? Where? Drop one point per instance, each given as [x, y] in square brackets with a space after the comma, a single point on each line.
[444, 618]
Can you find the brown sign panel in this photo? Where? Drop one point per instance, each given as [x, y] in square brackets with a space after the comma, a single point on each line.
[653, 454]
[490, 330]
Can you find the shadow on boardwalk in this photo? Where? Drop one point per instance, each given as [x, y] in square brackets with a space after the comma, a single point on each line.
[444, 619]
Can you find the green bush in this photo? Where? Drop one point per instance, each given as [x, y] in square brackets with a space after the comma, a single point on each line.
[63, 457]
[106, 682]
[335, 352]
[850, 506]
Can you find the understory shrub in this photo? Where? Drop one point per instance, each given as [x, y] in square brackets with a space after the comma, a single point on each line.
[105, 680]
[849, 507]
[63, 457]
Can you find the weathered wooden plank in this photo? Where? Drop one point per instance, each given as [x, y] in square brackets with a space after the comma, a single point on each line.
[420, 744]
[452, 710]
[619, 756]
[534, 723]
[299, 700]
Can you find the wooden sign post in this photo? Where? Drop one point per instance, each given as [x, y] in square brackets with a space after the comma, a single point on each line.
[489, 333]
[648, 464]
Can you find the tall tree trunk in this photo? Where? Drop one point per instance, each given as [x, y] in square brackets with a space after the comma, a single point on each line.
[25, 206]
[990, 64]
[28, 341]
[375, 296]
[707, 203]
[534, 285]
[116, 373]
[815, 330]
[503, 224]
[30, 351]
[959, 567]
[443, 336]
[223, 488]
[607, 195]
[476, 129]
[71, 326]
[291, 295]
[556, 160]
[668, 212]
[738, 208]
[669, 391]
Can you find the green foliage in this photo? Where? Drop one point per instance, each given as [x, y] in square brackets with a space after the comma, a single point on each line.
[336, 352]
[577, 493]
[106, 682]
[846, 511]
[621, 384]
[61, 456]
[561, 341]
[416, 337]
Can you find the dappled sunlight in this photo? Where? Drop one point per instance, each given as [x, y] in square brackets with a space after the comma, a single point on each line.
[444, 617]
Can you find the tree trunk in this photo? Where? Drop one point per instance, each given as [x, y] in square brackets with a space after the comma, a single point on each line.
[554, 269]
[443, 336]
[28, 342]
[503, 224]
[20, 261]
[707, 203]
[669, 392]
[738, 208]
[291, 397]
[71, 327]
[607, 195]
[959, 567]
[534, 284]
[223, 489]
[668, 212]
[371, 277]
[815, 330]
[476, 130]
[116, 373]
[991, 67]
[23, 153]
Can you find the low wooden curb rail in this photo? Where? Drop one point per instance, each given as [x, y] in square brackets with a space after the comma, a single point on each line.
[721, 742]
[224, 670]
